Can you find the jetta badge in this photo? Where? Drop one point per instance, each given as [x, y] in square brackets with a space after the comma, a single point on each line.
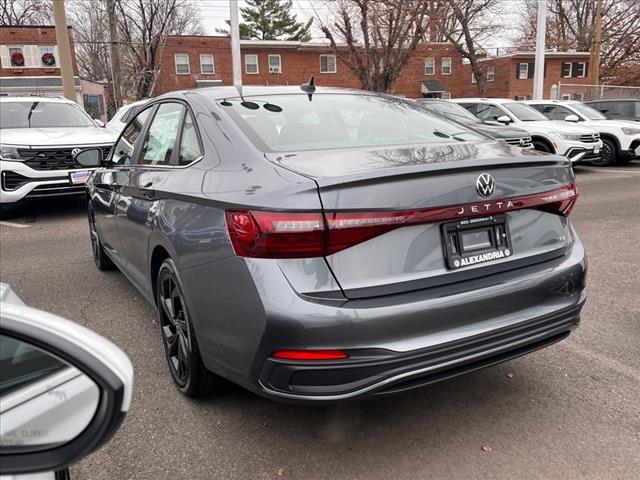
[75, 152]
[485, 185]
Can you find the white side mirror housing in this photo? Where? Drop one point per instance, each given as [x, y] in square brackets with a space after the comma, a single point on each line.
[64, 392]
[572, 118]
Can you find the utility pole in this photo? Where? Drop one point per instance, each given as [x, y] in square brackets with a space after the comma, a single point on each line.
[235, 43]
[538, 74]
[64, 50]
[114, 44]
[594, 60]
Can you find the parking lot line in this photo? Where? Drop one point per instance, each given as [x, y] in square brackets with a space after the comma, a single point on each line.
[13, 224]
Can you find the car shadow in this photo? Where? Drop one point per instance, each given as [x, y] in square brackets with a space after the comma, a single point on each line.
[48, 209]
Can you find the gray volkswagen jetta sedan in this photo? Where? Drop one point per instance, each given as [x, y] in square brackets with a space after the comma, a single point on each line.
[318, 245]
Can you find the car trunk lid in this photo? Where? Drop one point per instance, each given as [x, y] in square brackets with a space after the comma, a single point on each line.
[437, 181]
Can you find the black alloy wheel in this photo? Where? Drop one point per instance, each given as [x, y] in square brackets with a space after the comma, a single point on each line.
[608, 154]
[181, 348]
[103, 262]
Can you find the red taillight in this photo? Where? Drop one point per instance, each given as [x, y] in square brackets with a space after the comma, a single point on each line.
[262, 234]
[310, 354]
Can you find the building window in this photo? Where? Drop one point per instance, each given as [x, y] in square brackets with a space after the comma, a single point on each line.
[182, 64]
[445, 95]
[579, 69]
[491, 74]
[429, 66]
[206, 64]
[48, 57]
[473, 78]
[521, 97]
[275, 64]
[578, 96]
[523, 71]
[566, 96]
[251, 64]
[327, 64]
[446, 66]
[16, 57]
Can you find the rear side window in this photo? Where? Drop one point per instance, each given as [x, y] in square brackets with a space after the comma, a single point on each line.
[189, 145]
[292, 122]
[160, 141]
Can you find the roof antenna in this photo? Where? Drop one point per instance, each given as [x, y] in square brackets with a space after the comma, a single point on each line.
[309, 88]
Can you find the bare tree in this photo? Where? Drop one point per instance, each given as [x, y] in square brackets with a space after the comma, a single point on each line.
[467, 24]
[25, 12]
[91, 37]
[380, 37]
[144, 27]
[570, 26]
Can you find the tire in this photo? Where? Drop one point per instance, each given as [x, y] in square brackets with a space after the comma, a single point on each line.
[189, 374]
[609, 154]
[103, 262]
[541, 146]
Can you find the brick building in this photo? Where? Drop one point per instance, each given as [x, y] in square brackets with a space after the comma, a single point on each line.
[29, 67]
[512, 75]
[29, 62]
[198, 61]
[435, 70]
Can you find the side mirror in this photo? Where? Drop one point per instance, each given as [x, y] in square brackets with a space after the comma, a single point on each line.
[64, 389]
[98, 122]
[505, 120]
[572, 118]
[89, 157]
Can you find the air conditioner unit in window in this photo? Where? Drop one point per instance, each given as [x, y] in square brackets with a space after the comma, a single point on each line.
[274, 69]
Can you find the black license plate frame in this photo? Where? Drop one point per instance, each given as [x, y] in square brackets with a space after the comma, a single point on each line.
[458, 255]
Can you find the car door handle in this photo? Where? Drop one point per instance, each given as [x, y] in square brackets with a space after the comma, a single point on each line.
[148, 184]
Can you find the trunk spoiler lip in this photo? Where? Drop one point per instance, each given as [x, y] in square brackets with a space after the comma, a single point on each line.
[417, 170]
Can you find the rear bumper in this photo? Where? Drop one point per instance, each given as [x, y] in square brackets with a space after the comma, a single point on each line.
[395, 342]
[19, 181]
[370, 373]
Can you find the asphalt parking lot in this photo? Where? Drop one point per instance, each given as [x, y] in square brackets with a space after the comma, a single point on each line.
[571, 411]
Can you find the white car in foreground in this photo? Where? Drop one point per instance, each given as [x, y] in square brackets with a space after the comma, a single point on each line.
[64, 390]
[620, 138]
[578, 144]
[38, 137]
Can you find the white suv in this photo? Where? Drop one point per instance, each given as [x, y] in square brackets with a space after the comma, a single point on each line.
[620, 138]
[38, 137]
[578, 144]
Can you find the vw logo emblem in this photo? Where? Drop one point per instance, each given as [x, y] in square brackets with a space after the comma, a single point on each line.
[75, 152]
[485, 185]
[522, 142]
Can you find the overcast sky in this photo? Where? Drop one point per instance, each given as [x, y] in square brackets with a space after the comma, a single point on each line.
[215, 12]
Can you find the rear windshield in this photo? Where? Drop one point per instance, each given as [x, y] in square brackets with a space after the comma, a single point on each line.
[36, 114]
[293, 122]
[524, 112]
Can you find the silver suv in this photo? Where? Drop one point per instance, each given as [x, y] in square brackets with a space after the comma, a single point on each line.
[38, 137]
